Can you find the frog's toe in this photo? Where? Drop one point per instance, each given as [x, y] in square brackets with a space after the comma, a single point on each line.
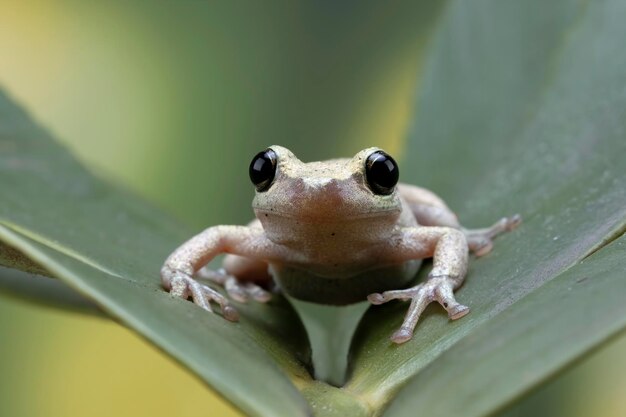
[235, 290]
[178, 287]
[230, 313]
[183, 286]
[513, 221]
[243, 291]
[406, 294]
[480, 246]
[257, 293]
[403, 334]
[437, 288]
[376, 298]
[444, 294]
[209, 294]
[506, 224]
[458, 311]
[480, 241]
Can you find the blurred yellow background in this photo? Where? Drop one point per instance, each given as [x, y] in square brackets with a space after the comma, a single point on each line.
[159, 96]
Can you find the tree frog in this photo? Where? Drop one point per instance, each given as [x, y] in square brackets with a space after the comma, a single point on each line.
[334, 232]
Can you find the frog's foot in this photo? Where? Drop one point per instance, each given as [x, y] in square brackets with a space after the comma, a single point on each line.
[182, 285]
[480, 241]
[237, 290]
[438, 288]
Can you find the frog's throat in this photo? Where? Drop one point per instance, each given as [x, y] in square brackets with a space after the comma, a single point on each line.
[306, 286]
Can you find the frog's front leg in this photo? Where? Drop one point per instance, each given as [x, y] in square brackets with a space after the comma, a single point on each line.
[448, 247]
[180, 267]
[431, 210]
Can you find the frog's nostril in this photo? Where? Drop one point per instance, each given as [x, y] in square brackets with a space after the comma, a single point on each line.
[319, 182]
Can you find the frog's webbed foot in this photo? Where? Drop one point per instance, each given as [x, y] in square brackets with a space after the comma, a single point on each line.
[436, 288]
[236, 289]
[182, 285]
[480, 241]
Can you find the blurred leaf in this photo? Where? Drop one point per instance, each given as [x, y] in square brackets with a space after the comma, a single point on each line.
[226, 81]
[44, 290]
[522, 108]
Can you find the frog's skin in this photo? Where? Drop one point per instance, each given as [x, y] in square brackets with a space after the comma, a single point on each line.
[325, 236]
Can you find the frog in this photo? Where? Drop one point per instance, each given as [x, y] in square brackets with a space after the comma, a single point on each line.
[333, 232]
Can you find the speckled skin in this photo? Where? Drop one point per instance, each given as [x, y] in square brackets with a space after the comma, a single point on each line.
[325, 237]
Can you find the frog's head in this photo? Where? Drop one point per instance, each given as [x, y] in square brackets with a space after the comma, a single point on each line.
[338, 190]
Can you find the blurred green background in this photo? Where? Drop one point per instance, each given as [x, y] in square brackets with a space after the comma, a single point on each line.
[171, 99]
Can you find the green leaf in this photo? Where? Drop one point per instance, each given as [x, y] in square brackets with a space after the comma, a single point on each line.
[14, 259]
[44, 290]
[521, 108]
[534, 338]
[109, 245]
[518, 111]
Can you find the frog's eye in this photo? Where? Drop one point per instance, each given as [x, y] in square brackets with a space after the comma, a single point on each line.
[263, 169]
[381, 172]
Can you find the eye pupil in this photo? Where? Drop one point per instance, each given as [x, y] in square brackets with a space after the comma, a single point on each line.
[262, 169]
[382, 173]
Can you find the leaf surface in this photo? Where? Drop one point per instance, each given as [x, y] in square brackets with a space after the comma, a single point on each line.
[521, 108]
[539, 335]
[109, 245]
[519, 111]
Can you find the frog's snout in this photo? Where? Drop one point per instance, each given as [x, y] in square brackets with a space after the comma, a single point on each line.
[319, 183]
[316, 194]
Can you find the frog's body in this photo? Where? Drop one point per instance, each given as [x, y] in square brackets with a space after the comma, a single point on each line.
[308, 286]
[334, 232]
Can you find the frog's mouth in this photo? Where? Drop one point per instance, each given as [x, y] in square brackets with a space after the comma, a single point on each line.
[338, 216]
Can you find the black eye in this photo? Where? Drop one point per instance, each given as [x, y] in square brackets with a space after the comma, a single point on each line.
[263, 169]
[381, 172]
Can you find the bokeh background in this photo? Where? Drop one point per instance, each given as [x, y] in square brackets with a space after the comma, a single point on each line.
[171, 99]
